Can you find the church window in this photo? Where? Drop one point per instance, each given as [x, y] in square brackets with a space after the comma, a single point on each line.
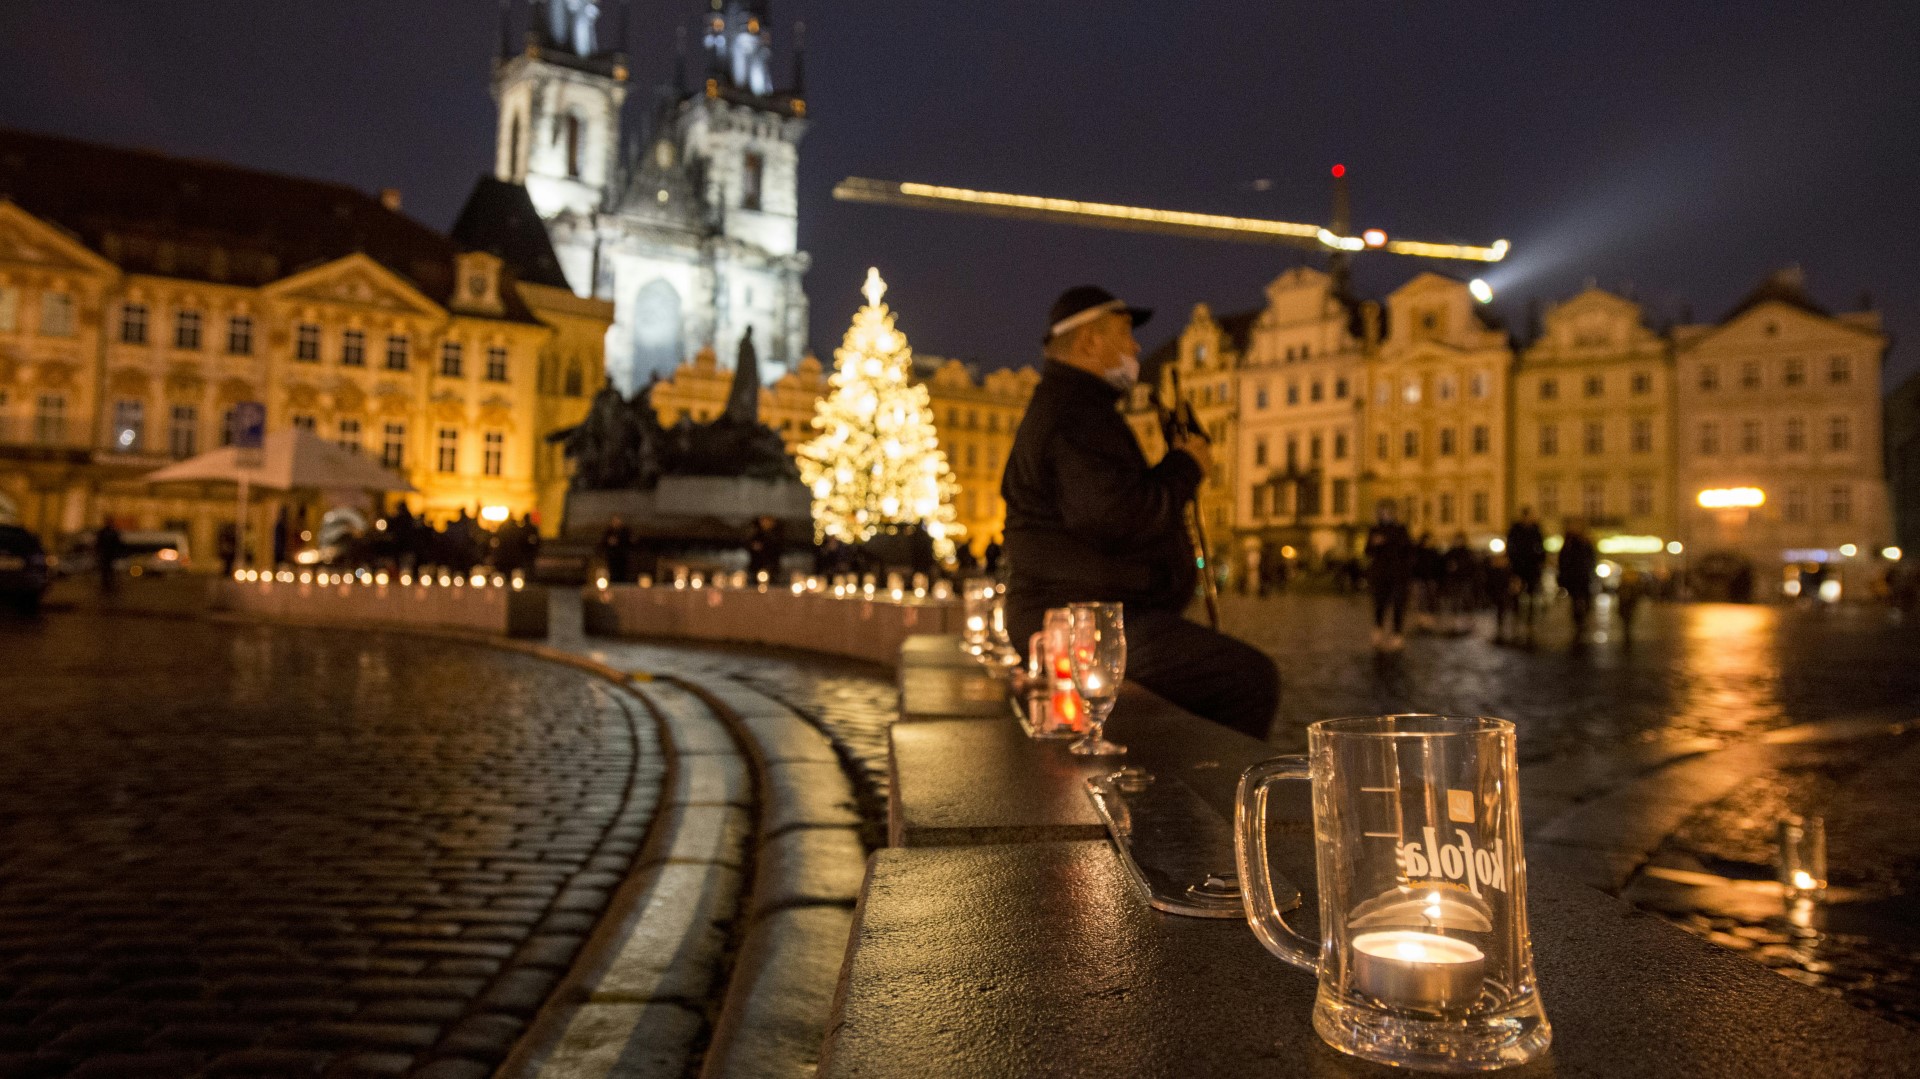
[306, 343]
[240, 335]
[133, 324]
[393, 446]
[493, 450]
[447, 450]
[56, 314]
[513, 148]
[574, 379]
[570, 130]
[398, 348]
[186, 330]
[450, 357]
[353, 348]
[756, 166]
[496, 364]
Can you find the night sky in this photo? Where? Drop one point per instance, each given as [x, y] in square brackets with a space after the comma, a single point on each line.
[1679, 151]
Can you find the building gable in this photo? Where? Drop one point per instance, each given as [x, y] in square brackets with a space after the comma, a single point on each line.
[25, 238]
[358, 281]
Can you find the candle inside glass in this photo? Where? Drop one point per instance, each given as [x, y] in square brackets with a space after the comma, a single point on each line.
[1418, 970]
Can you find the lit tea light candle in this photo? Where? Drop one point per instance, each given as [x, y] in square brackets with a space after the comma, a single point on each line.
[1418, 970]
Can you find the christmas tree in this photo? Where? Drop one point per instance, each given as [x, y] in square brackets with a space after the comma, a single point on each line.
[876, 464]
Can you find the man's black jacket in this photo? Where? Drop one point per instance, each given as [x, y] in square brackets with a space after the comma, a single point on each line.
[1087, 518]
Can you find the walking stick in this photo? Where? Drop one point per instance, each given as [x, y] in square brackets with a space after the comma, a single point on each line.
[1175, 423]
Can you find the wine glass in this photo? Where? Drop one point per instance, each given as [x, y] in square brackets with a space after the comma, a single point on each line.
[1099, 666]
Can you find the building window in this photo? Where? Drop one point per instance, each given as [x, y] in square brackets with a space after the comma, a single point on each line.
[1594, 386]
[1640, 497]
[1443, 387]
[1796, 433]
[398, 348]
[56, 314]
[129, 417]
[393, 446]
[1749, 375]
[1749, 436]
[1339, 445]
[450, 359]
[1642, 435]
[1317, 391]
[1795, 373]
[1293, 393]
[493, 450]
[133, 324]
[1593, 500]
[1293, 453]
[1549, 439]
[1549, 389]
[186, 330]
[1796, 511]
[1259, 452]
[496, 364]
[1259, 500]
[240, 335]
[1380, 446]
[1314, 446]
[1477, 385]
[1410, 444]
[1411, 395]
[1446, 508]
[1642, 383]
[306, 343]
[1259, 398]
[183, 431]
[50, 419]
[1549, 498]
[349, 439]
[575, 379]
[1839, 433]
[228, 419]
[304, 421]
[1709, 377]
[1479, 507]
[353, 348]
[1342, 495]
[1709, 439]
[570, 131]
[1840, 504]
[447, 450]
[1446, 442]
[9, 309]
[1339, 389]
[752, 175]
[1593, 438]
[1482, 438]
[1840, 370]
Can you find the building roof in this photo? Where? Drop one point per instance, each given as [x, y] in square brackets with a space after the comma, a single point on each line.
[153, 213]
[499, 219]
[1787, 285]
[1237, 326]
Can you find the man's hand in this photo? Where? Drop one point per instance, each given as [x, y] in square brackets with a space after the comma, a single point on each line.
[1197, 448]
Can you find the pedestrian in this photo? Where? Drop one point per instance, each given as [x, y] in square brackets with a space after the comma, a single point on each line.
[990, 561]
[107, 552]
[229, 548]
[1634, 587]
[920, 552]
[965, 565]
[1501, 591]
[764, 548]
[1575, 572]
[616, 550]
[282, 537]
[1390, 555]
[1527, 554]
[1089, 520]
[1429, 572]
[529, 544]
[1459, 583]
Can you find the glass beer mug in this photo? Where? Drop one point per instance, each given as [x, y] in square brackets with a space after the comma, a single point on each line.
[1424, 959]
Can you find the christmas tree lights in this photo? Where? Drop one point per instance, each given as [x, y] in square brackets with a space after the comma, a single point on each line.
[876, 463]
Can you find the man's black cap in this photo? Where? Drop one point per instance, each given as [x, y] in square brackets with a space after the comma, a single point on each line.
[1081, 305]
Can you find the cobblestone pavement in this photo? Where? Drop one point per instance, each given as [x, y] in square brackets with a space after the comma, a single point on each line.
[250, 850]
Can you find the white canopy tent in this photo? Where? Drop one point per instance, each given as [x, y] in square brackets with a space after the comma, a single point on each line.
[290, 460]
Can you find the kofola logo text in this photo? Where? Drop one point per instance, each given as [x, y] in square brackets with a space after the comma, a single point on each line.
[1460, 861]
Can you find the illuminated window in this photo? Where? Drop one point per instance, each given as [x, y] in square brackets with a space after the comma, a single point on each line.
[1482, 438]
[349, 436]
[393, 446]
[183, 431]
[1549, 439]
[1642, 435]
[496, 364]
[1749, 436]
[306, 343]
[1549, 389]
[493, 450]
[186, 330]
[129, 418]
[240, 335]
[353, 348]
[1593, 438]
[133, 324]
[1839, 433]
[447, 450]
[398, 349]
[1840, 370]
[56, 314]
[1412, 392]
[1796, 435]
[450, 359]
[1840, 504]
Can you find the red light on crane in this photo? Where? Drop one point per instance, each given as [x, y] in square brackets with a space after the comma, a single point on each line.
[1339, 171]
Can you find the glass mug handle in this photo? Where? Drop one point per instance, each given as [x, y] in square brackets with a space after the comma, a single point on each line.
[1250, 856]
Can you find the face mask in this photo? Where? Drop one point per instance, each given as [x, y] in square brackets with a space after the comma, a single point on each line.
[1124, 376]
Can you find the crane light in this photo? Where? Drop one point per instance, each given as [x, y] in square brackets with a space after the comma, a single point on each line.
[1339, 171]
[1481, 290]
[1374, 237]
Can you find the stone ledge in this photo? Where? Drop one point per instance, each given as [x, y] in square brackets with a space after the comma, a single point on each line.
[809, 867]
[781, 996]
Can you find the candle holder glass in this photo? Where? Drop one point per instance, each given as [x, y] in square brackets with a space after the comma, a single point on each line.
[1423, 953]
[1803, 858]
[1099, 663]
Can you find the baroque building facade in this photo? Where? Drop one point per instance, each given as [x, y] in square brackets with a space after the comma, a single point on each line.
[690, 226]
[143, 298]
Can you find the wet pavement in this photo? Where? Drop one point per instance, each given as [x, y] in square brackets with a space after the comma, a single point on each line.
[233, 849]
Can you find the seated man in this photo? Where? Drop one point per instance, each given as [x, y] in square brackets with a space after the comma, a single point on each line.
[1089, 520]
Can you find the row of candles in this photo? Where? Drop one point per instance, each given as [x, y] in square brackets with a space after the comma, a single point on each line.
[1054, 708]
[379, 578]
[896, 586]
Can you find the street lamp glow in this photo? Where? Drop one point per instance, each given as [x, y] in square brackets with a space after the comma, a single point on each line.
[1732, 498]
[1497, 545]
[1676, 547]
[1891, 554]
[1848, 550]
[493, 514]
[1481, 290]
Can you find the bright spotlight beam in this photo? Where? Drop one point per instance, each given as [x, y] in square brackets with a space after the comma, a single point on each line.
[1141, 219]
